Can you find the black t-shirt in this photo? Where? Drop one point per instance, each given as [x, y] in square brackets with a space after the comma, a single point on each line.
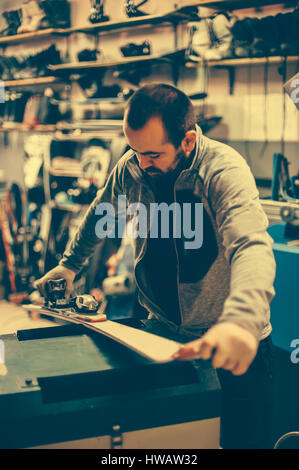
[167, 261]
[160, 260]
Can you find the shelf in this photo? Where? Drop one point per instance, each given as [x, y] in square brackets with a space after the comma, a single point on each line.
[69, 207]
[278, 205]
[43, 33]
[75, 134]
[81, 130]
[31, 81]
[77, 67]
[92, 124]
[273, 208]
[230, 64]
[107, 135]
[105, 129]
[174, 16]
[88, 101]
[237, 62]
[20, 127]
[236, 4]
[65, 174]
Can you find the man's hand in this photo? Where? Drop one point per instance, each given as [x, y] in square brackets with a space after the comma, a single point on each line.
[56, 273]
[230, 346]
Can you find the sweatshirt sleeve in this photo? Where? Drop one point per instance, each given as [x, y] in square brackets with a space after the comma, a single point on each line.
[242, 225]
[84, 242]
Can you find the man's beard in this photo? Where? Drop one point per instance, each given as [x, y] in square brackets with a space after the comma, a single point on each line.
[171, 173]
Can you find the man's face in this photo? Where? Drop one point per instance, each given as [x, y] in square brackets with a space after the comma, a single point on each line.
[156, 155]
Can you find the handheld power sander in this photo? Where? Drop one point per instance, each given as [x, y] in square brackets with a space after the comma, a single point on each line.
[55, 290]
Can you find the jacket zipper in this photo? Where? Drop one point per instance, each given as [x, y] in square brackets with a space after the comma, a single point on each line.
[178, 264]
[143, 293]
[178, 270]
[138, 285]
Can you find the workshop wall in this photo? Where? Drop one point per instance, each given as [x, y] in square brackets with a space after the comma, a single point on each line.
[249, 116]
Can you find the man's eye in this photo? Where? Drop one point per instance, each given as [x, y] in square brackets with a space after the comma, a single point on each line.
[154, 156]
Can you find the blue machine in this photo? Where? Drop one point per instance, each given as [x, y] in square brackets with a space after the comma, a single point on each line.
[285, 305]
[285, 323]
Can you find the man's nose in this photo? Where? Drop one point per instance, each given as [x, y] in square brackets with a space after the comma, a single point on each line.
[144, 162]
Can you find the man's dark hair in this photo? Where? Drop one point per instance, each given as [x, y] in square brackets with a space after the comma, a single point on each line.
[165, 101]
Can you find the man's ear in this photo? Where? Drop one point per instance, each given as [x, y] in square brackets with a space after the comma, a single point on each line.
[188, 142]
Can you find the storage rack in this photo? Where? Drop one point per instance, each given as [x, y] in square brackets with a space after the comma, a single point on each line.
[64, 73]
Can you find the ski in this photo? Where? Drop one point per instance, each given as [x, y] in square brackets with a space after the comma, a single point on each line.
[7, 239]
[148, 345]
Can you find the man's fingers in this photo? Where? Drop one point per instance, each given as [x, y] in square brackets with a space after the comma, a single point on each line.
[68, 291]
[222, 361]
[190, 351]
[241, 368]
[199, 349]
[39, 286]
[206, 350]
[187, 352]
[219, 359]
[228, 346]
[229, 364]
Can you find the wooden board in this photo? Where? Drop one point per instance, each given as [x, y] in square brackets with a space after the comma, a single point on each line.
[77, 67]
[146, 344]
[31, 81]
[243, 61]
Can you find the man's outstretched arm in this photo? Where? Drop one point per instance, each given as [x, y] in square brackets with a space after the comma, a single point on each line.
[84, 242]
[242, 224]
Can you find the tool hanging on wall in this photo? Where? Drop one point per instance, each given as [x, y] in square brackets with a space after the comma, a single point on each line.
[284, 189]
[16, 208]
[206, 123]
[247, 140]
[97, 14]
[283, 72]
[16, 237]
[7, 242]
[132, 10]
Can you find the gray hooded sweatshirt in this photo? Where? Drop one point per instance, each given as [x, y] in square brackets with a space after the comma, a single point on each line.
[237, 285]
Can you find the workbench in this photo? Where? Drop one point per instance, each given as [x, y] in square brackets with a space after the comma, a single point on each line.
[65, 384]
